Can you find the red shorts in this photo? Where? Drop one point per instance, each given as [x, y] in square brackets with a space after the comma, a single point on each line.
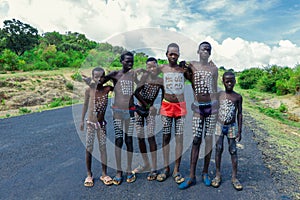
[173, 109]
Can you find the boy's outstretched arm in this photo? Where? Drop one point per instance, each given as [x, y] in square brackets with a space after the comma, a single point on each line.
[240, 118]
[85, 107]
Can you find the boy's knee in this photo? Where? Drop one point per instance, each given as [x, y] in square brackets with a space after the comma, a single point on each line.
[102, 147]
[219, 148]
[119, 142]
[89, 148]
[166, 138]
[129, 145]
[232, 149]
[151, 140]
[197, 141]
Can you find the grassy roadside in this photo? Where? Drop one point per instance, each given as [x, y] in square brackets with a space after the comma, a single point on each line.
[278, 138]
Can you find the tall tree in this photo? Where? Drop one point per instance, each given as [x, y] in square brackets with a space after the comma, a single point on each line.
[20, 36]
[2, 40]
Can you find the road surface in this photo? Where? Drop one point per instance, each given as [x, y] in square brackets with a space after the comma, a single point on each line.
[43, 157]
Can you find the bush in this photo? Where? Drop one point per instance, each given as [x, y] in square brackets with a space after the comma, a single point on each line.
[76, 76]
[8, 61]
[69, 85]
[42, 65]
[283, 108]
[24, 111]
[249, 78]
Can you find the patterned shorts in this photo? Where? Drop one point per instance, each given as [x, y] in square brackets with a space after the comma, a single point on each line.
[92, 129]
[167, 124]
[140, 123]
[229, 130]
[206, 125]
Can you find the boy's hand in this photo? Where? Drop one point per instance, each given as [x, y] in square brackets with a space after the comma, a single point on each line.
[185, 65]
[152, 110]
[86, 79]
[238, 137]
[82, 126]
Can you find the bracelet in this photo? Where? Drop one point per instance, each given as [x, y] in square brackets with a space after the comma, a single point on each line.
[148, 106]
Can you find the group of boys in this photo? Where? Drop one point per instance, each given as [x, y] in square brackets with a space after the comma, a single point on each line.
[214, 113]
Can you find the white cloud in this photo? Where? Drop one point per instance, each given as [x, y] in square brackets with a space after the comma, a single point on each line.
[152, 25]
[239, 54]
[286, 53]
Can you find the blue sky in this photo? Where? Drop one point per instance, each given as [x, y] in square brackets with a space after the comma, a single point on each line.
[243, 34]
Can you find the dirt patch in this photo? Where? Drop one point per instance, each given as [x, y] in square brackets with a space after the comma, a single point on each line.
[35, 92]
[292, 102]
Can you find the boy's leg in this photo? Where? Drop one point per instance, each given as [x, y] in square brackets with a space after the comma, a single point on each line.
[150, 120]
[233, 152]
[129, 125]
[118, 144]
[90, 137]
[234, 160]
[210, 124]
[179, 124]
[139, 127]
[167, 126]
[101, 135]
[197, 132]
[218, 155]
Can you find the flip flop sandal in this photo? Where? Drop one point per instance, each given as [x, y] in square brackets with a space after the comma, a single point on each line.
[216, 182]
[187, 183]
[89, 181]
[236, 184]
[152, 176]
[178, 178]
[117, 180]
[163, 176]
[141, 169]
[206, 179]
[131, 178]
[106, 180]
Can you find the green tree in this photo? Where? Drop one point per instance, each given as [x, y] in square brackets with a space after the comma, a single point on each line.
[8, 61]
[2, 40]
[20, 36]
[271, 75]
[52, 38]
[294, 82]
[249, 78]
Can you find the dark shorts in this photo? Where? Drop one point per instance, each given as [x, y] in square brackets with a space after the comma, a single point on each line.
[205, 108]
[141, 111]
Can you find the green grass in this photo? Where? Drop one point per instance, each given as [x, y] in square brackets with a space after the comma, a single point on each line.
[285, 139]
[283, 134]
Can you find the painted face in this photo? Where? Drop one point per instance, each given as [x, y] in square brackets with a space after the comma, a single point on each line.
[152, 68]
[229, 82]
[204, 51]
[127, 62]
[173, 55]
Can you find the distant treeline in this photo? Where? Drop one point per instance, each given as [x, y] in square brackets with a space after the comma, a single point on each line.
[273, 79]
[22, 48]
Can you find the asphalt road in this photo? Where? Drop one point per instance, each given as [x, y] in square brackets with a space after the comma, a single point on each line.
[42, 156]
